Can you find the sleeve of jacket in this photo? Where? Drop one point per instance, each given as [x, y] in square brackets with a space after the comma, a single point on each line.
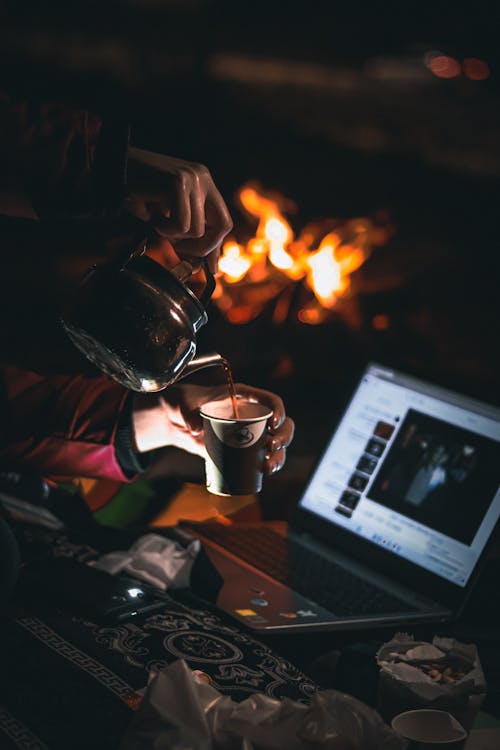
[62, 425]
[68, 161]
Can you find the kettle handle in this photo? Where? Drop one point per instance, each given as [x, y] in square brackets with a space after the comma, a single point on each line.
[183, 269]
[209, 286]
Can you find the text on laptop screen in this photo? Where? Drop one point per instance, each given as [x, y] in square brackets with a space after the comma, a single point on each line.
[413, 468]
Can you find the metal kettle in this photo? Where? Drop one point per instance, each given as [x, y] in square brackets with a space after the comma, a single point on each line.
[137, 321]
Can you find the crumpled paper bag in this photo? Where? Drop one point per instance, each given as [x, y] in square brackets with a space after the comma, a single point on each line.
[403, 685]
[153, 558]
[180, 711]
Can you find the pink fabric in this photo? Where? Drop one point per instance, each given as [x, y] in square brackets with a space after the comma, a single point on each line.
[61, 425]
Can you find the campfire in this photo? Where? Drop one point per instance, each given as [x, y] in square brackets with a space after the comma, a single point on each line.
[304, 276]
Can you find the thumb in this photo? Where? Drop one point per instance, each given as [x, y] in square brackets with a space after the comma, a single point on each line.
[194, 422]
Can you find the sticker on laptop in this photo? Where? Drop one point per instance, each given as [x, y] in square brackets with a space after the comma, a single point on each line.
[306, 613]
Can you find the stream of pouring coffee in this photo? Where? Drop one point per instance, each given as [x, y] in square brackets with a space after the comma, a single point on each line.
[230, 386]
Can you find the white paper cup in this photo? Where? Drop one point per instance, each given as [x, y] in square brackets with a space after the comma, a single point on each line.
[236, 447]
[426, 729]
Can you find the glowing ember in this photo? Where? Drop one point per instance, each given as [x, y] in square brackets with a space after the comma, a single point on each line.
[263, 269]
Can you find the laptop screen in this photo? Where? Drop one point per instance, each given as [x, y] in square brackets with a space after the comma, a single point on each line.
[414, 468]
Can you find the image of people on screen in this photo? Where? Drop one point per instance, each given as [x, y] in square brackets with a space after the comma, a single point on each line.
[439, 474]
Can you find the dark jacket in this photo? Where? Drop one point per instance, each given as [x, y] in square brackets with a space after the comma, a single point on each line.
[62, 183]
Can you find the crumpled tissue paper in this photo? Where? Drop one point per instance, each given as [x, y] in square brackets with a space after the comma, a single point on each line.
[162, 562]
[180, 711]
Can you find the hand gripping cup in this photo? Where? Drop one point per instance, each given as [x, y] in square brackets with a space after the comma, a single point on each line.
[236, 446]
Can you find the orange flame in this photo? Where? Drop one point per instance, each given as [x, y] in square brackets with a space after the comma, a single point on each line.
[274, 256]
[234, 263]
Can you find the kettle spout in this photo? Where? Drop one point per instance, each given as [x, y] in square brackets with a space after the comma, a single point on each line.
[204, 360]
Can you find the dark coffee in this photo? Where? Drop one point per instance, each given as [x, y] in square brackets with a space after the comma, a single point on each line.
[230, 386]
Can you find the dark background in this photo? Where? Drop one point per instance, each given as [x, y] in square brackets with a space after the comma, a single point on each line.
[347, 121]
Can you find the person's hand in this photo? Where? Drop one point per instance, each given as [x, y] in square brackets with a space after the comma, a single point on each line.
[172, 418]
[180, 201]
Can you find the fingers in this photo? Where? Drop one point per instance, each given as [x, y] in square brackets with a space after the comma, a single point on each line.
[277, 443]
[281, 428]
[198, 218]
[185, 211]
[213, 222]
[194, 422]
[182, 203]
[264, 397]
[172, 217]
[213, 260]
[178, 209]
[219, 222]
[280, 431]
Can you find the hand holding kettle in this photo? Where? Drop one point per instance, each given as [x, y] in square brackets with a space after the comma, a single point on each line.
[179, 200]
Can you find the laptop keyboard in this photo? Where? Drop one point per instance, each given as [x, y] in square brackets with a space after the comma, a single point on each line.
[304, 571]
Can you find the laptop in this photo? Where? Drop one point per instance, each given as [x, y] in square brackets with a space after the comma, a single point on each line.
[391, 528]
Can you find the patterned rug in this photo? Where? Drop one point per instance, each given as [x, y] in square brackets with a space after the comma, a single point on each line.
[68, 683]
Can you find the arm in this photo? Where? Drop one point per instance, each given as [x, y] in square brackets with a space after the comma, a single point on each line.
[61, 162]
[69, 426]
[172, 418]
[61, 425]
